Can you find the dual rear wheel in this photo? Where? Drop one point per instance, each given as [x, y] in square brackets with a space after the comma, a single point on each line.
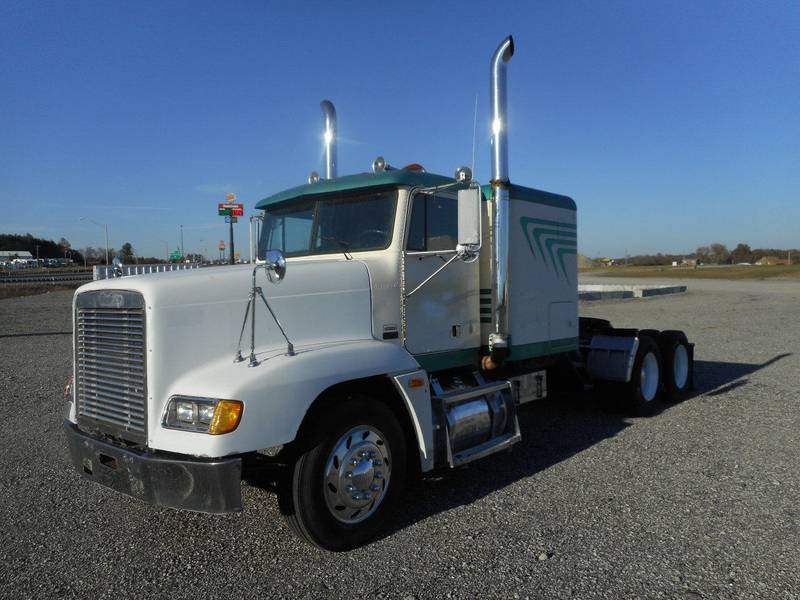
[662, 370]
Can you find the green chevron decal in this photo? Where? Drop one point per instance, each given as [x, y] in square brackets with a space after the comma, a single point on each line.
[561, 240]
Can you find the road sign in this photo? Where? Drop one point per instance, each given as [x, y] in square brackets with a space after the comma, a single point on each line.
[222, 244]
[230, 209]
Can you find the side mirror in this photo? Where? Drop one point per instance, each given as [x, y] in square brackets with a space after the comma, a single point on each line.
[469, 217]
[275, 266]
[116, 267]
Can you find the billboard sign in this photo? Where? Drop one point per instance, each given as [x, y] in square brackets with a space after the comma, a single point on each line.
[228, 209]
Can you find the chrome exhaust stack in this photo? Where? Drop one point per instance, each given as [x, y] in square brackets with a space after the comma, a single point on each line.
[329, 138]
[499, 341]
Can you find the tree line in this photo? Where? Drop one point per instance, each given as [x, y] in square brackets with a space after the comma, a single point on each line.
[713, 254]
[44, 248]
[39, 247]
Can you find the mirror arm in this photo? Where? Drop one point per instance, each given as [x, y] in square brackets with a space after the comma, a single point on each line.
[250, 312]
[460, 252]
[289, 345]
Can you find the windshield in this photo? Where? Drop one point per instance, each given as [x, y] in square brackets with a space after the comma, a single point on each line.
[340, 223]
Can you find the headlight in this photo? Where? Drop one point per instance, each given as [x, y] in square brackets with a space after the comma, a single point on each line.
[203, 415]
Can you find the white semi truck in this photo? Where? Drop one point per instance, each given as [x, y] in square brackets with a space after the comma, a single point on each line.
[393, 324]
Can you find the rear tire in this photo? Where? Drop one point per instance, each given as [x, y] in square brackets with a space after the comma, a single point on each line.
[678, 365]
[643, 391]
[342, 488]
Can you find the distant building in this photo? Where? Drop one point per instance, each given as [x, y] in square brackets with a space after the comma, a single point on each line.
[771, 260]
[607, 262]
[689, 262]
[9, 255]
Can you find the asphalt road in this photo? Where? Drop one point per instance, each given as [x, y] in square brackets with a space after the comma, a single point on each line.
[699, 501]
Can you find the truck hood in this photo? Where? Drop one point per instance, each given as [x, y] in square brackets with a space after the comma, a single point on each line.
[193, 318]
[200, 312]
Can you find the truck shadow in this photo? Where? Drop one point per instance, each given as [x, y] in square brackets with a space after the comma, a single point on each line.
[716, 378]
[552, 431]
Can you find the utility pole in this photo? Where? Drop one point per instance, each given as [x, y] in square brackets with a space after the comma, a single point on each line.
[37, 252]
[182, 253]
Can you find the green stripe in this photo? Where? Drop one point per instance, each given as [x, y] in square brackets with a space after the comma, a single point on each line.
[437, 361]
[559, 237]
[547, 348]
[561, 252]
[485, 320]
[486, 311]
[556, 241]
[485, 300]
[550, 223]
[486, 290]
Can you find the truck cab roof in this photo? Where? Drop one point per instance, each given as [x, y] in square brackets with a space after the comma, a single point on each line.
[398, 177]
[402, 177]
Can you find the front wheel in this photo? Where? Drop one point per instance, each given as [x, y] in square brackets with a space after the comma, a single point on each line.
[343, 487]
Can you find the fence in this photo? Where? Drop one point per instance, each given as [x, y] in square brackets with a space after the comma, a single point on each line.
[104, 272]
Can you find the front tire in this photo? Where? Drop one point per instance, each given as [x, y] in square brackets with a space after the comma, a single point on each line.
[343, 487]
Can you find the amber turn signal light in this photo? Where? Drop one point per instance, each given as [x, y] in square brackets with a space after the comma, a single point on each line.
[227, 415]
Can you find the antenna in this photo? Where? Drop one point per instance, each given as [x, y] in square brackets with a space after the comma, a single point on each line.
[474, 129]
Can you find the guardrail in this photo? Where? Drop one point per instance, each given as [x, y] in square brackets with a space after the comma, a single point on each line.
[104, 272]
[44, 278]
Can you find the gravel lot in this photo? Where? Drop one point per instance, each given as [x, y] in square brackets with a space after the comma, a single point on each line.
[699, 501]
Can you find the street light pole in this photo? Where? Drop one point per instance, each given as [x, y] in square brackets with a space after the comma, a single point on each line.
[183, 255]
[104, 226]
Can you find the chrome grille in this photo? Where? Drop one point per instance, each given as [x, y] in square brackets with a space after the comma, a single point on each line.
[110, 369]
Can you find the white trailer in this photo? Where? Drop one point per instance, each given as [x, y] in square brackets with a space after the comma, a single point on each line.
[393, 324]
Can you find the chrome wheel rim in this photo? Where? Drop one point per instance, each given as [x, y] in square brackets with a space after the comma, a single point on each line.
[357, 474]
[648, 377]
[680, 366]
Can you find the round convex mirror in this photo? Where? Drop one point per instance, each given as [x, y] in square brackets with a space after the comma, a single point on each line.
[276, 266]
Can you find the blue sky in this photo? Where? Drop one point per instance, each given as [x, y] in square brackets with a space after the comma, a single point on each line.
[672, 124]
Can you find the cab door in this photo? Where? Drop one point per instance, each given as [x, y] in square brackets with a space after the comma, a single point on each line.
[443, 315]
